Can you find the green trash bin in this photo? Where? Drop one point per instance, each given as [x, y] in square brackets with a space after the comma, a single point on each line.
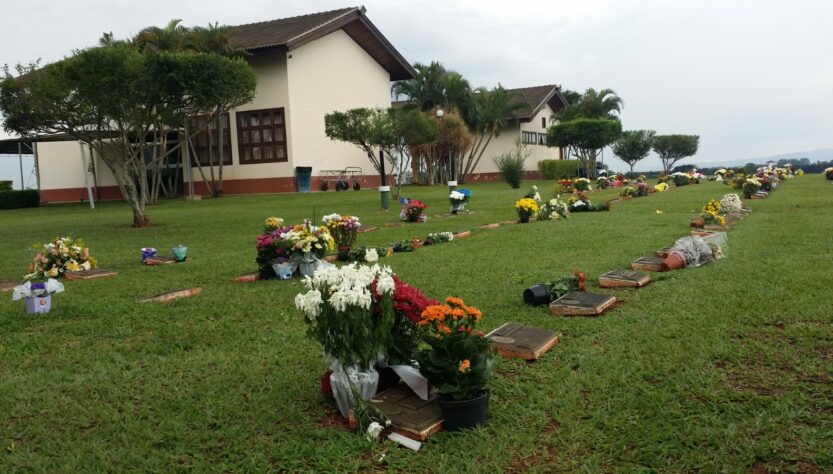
[303, 178]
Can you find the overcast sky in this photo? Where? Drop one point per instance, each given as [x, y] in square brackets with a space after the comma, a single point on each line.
[751, 77]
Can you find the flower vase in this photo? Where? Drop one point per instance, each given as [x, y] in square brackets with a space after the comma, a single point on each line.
[344, 380]
[462, 414]
[284, 270]
[344, 248]
[455, 208]
[308, 263]
[537, 295]
[523, 219]
[38, 304]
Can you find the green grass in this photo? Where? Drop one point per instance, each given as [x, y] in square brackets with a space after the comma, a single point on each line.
[727, 367]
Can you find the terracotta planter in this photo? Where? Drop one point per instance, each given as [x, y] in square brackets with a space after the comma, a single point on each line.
[698, 222]
[344, 248]
[674, 261]
[326, 386]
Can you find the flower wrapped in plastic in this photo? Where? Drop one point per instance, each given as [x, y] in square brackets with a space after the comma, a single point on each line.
[32, 290]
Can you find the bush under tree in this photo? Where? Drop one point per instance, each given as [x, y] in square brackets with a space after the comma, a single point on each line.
[511, 164]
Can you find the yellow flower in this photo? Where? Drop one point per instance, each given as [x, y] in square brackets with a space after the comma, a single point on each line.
[53, 272]
[73, 267]
[273, 222]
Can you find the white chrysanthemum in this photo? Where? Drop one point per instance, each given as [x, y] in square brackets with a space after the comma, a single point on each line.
[371, 255]
[309, 303]
[373, 431]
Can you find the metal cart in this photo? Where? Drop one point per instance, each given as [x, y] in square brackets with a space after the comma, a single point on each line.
[340, 179]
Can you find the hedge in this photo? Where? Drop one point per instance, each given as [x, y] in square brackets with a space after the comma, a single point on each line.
[19, 199]
[559, 169]
[5, 185]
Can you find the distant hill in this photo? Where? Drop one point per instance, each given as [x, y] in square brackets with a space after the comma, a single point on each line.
[825, 154]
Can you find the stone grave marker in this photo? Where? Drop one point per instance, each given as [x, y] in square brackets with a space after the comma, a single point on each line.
[364, 230]
[524, 342]
[173, 295]
[7, 285]
[410, 415]
[462, 235]
[248, 278]
[489, 226]
[154, 261]
[619, 278]
[649, 263]
[579, 303]
[90, 274]
[663, 252]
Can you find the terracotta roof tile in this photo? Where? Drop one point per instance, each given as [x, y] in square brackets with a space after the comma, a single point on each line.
[280, 32]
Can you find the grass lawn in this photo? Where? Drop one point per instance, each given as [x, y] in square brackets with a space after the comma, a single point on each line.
[727, 367]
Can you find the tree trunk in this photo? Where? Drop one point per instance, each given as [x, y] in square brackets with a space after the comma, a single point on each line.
[220, 140]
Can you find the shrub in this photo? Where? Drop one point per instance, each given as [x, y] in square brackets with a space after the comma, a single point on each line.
[5, 185]
[559, 169]
[511, 164]
[19, 199]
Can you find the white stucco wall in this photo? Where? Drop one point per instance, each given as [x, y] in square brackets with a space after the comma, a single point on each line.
[61, 166]
[505, 142]
[331, 74]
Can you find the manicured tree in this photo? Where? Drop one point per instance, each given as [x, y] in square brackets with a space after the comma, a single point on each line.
[123, 104]
[409, 129]
[633, 146]
[360, 127]
[586, 137]
[673, 148]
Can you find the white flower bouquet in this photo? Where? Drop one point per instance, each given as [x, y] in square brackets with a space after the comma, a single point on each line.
[730, 203]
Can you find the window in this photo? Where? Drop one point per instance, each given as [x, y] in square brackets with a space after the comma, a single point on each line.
[203, 146]
[544, 123]
[542, 139]
[530, 138]
[261, 136]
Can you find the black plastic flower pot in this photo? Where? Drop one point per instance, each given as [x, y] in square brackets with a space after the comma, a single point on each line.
[537, 295]
[267, 273]
[462, 414]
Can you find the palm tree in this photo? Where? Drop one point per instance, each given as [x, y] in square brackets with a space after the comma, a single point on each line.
[592, 104]
[212, 39]
[435, 86]
[168, 38]
[490, 111]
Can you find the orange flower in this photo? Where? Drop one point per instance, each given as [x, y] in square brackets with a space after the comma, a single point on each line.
[433, 313]
[457, 313]
[464, 366]
[443, 329]
[475, 313]
[454, 301]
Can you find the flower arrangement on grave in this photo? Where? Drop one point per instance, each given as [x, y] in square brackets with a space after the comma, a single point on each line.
[554, 209]
[581, 203]
[344, 229]
[438, 238]
[602, 182]
[406, 331]
[305, 239]
[363, 254]
[750, 186]
[526, 208]
[641, 179]
[566, 185]
[661, 187]
[711, 213]
[413, 211]
[828, 173]
[271, 248]
[730, 203]
[533, 194]
[56, 258]
[458, 199]
[458, 361]
[582, 184]
[662, 179]
[349, 312]
[680, 179]
[38, 296]
[402, 246]
[694, 176]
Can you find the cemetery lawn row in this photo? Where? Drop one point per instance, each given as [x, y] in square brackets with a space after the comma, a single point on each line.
[727, 366]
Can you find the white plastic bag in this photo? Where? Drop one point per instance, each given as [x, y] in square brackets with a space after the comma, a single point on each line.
[718, 244]
[694, 250]
[345, 379]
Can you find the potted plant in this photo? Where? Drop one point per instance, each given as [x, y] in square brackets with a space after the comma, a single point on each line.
[56, 258]
[526, 208]
[349, 311]
[38, 296]
[271, 248]
[458, 361]
[751, 186]
[582, 184]
[413, 211]
[828, 173]
[459, 198]
[344, 229]
[546, 293]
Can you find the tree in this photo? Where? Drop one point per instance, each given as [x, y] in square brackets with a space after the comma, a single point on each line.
[586, 137]
[489, 112]
[394, 131]
[124, 104]
[673, 148]
[435, 86]
[633, 146]
[592, 104]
